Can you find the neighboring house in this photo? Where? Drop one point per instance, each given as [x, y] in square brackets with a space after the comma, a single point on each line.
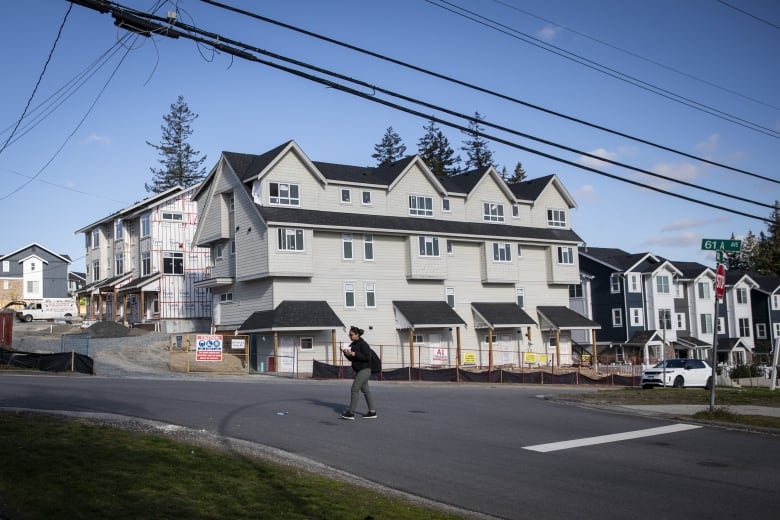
[438, 271]
[695, 311]
[76, 282]
[633, 298]
[142, 268]
[32, 273]
[765, 306]
[735, 321]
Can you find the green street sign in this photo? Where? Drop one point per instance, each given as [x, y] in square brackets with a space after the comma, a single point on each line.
[715, 244]
[719, 256]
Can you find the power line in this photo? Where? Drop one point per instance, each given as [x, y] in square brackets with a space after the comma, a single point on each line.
[638, 56]
[40, 78]
[487, 91]
[226, 45]
[497, 26]
[749, 14]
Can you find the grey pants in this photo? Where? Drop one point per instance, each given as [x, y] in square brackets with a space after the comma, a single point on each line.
[360, 384]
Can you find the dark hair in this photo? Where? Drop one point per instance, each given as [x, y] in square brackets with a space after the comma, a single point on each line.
[356, 330]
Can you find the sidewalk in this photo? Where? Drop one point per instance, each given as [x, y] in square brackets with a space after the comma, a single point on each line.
[690, 409]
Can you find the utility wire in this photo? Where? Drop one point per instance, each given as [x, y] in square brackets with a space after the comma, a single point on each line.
[228, 45]
[497, 26]
[638, 56]
[486, 91]
[749, 14]
[40, 78]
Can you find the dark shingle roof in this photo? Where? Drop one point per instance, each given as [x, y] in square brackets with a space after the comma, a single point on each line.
[293, 315]
[531, 189]
[246, 165]
[616, 258]
[428, 313]
[565, 318]
[463, 182]
[383, 175]
[502, 314]
[338, 220]
[690, 270]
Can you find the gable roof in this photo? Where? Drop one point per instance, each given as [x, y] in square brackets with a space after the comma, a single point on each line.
[34, 246]
[766, 284]
[563, 318]
[530, 190]
[466, 182]
[616, 259]
[692, 270]
[135, 208]
[340, 220]
[293, 315]
[426, 314]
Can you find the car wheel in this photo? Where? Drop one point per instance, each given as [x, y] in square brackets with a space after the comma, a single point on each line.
[68, 318]
[28, 318]
[708, 385]
[678, 382]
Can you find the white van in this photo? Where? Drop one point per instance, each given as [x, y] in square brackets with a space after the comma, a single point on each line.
[49, 309]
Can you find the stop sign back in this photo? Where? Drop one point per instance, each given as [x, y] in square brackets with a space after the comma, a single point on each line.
[720, 281]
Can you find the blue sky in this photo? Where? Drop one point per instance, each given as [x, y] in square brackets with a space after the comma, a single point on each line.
[81, 153]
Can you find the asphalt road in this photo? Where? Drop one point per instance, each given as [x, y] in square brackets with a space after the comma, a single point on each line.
[465, 445]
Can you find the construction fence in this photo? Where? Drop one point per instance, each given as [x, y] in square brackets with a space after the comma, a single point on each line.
[209, 353]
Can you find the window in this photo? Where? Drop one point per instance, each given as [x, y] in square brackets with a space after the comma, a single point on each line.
[95, 238]
[680, 320]
[420, 205]
[742, 295]
[450, 295]
[146, 228]
[173, 262]
[226, 297]
[449, 247]
[744, 327]
[492, 212]
[519, 250]
[96, 270]
[6, 266]
[662, 284]
[761, 330]
[633, 280]
[566, 255]
[515, 211]
[703, 290]
[290, 239]
[575, 290]
[721, 325]
[33, 266]
[445, 205]
[33, 287]
[665, 319]
[617, 317]
[706, 323]
[366, 198]
[217, 251]
[776, 302]
[146, 263]
[307, 343]
[118, 230]
[368, 247]
[233, 246]
[346, 196]
[172, 217]
[370, 295]
[119, 261]
[556, 218]
[232, 204]
[502, 252]
[284, 194]
[346, 246]
[614, 283]
[520, 296]
[636, 317]
[349, 295]
[429, 246]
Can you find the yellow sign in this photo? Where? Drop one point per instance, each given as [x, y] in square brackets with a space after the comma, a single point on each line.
[529, 357]
[469, 358]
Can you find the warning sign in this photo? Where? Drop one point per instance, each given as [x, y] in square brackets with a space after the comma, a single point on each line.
[209, 348]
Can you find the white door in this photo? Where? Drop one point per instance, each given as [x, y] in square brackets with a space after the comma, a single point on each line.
[287, 350]
[439, 353]
[507, 354]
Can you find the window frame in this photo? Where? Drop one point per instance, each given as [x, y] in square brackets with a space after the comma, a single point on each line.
[282, 242]
[347, 247]
[346, 196]
[492, 211]
[662, 284]
[146, 225]
[556, 217]
[368, 248]
[422, 250]
[365, 198]
[349, 292]
[427, 205]
[173, 263]
[502, 252]
[279, 200]
[370, 294]
[617, 317]
[449, 296]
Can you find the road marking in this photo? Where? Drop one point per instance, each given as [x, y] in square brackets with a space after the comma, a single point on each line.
[615, 437]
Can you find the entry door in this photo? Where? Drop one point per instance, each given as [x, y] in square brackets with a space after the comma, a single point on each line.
[287, 351]
[505, 346]
[439, 353]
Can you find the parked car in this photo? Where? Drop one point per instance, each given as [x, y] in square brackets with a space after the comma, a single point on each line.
[679, 373]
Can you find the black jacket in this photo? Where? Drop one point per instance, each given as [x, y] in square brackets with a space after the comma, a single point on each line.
[362, 357]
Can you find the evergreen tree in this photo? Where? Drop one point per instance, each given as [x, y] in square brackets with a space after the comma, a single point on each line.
[519, 174]
[435, 151]
[180, 162]
[390, 149]
[766, 257]
[738, 260]
[476, 148]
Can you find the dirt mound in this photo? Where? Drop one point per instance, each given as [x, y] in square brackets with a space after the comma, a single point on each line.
[111, 329]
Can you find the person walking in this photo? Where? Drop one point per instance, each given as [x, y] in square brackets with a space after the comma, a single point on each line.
[359, 353]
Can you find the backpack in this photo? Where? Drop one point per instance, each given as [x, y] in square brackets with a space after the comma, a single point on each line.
[376, 362]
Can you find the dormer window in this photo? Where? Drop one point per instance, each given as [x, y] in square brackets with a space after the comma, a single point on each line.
[556, 218]
[284, 194]
[493, 212]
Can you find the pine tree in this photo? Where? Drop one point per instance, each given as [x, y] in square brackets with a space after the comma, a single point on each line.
[766, 258]
[390, 149]
[476, 148]
[519, 174]
[435, 151]
[738, 260]
[180, 162]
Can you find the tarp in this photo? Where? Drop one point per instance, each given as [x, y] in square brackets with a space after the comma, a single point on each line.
[57, 362]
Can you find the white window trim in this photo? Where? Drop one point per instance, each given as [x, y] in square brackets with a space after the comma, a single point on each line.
[617, 317]
[416, 211]
[349, 288]
[557, 219]
[424, 240]
[372, 287]
[363, 198]
[446, 205]
[488, 215]
[348, 199]
[368, 240]
[498, 248]
[346, 239]
[291, 201]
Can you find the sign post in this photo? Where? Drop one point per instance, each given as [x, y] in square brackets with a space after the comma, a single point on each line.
[719, 246]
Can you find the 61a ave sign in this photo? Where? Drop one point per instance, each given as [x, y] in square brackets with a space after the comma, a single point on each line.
[715, 244]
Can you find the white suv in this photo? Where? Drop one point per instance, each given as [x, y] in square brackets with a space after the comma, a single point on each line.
[679, 373]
